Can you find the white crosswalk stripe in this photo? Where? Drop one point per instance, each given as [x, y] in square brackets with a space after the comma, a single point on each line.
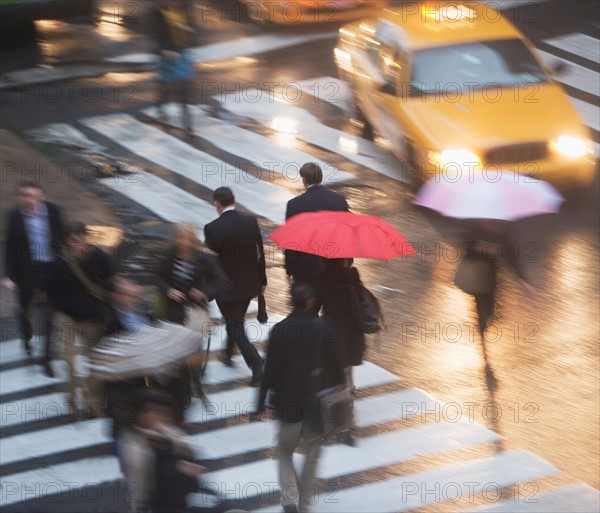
[582, 45]
[576, 76]
[261, 152]
[404, 432]
[175, 155]
[163, 198]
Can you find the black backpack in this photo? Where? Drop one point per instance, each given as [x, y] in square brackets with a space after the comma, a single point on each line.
[366, 310]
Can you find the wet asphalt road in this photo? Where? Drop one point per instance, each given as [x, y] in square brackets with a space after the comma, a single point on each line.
[543, 348]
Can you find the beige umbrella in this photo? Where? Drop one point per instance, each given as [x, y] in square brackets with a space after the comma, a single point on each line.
[147, 350]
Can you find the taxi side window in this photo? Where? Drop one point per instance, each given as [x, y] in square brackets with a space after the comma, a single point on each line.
[386, 54]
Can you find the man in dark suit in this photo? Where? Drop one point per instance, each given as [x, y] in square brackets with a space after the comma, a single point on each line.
[236, 239]
[304, 266]
[33, 243]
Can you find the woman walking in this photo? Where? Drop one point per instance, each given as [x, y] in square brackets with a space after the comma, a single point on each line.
[189, 277]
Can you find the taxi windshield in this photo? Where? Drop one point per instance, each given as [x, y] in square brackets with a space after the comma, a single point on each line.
[503, 63]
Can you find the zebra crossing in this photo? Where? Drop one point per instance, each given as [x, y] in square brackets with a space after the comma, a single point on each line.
[45, 457]
[220, 435]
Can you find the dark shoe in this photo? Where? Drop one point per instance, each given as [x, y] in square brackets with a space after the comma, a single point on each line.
[345, 437]
[48, 370]
[257, 377]
[290, 508]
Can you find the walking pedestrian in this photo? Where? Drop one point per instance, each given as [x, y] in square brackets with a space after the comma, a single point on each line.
[487, 242]
[158, 462]
[291, 360]
[82, 285]
[237, 241]
[175, 33]
[189, 276]
[33, 244]
[305, 267]
[335, 286]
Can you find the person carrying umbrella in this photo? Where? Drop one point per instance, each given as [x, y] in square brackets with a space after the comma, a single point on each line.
[487, 243]
[488, 205]
[304, 266]
[339, 237]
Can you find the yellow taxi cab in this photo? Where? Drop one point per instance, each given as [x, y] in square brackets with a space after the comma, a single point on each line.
[310, 11]
[456, 88]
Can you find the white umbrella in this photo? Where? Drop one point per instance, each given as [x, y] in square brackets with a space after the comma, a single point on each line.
[503, 195]
[148, 350]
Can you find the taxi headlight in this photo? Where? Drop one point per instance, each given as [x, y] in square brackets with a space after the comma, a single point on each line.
[455, 160]
[570, 146]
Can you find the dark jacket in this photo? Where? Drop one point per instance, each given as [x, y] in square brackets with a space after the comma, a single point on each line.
[333, 289]
[18, 259]
[304, 266]
[492, 245]
[72, 297]
[209, 277]
[236, 239]
[291, 359]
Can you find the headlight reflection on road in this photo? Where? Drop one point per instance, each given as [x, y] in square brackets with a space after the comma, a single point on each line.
[286, 130]
[348, 144]
[111, 28]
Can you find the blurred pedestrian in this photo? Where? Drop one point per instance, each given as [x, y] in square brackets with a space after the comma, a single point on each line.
[305, 267]
[33, 244]
[82, 284]
[158, 462]
[175, 33]
[237, 240]
[189, 276]
[289, 373]
[487, 242]
[129, 312]
[334, 287]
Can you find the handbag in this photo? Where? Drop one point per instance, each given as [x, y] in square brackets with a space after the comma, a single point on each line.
[334, 409]
[475, 276]
[333, 406]
[366, 310]
[198, 320]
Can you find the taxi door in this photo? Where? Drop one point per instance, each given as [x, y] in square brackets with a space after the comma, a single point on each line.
[380, 90]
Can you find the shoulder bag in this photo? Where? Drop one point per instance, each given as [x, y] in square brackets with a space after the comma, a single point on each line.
[366, 310]
[333, 412]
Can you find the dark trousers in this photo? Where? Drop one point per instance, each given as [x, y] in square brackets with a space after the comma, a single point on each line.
[41, 279]
[179, 92]
[485, 310]
[234, 313]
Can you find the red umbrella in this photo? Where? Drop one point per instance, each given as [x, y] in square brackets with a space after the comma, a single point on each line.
[341, 235]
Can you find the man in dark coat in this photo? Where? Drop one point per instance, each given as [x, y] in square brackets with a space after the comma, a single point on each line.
[304, 266]
[83, 280]
[291, 360]
[33, 243]
[236, 239]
